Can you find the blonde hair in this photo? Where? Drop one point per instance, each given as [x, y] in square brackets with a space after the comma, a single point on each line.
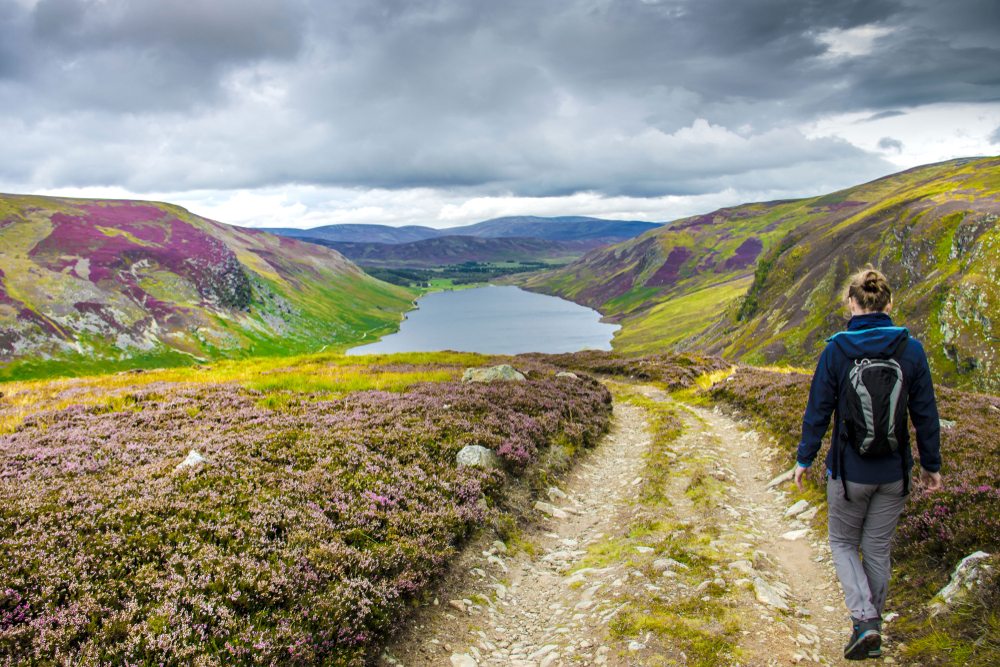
[870, 290]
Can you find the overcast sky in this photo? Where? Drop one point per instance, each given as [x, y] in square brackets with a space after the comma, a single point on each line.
[443, 112]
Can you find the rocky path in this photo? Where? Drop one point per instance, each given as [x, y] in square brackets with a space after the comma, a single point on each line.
[594, 584]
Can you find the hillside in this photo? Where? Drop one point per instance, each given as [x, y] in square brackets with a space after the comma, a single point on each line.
[92, 284]
[566, 228]
[350, 233]
[763, 282]
[450, 250]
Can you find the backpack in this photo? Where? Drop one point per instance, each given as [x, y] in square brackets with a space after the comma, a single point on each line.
[875, 408]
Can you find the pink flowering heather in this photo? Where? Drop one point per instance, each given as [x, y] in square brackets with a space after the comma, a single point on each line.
[300, 541]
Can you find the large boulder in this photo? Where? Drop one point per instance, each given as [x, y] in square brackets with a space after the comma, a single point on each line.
[503, 372]
[964, 579]
[477, 456]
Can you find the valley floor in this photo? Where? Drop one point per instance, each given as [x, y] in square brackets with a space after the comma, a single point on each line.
[664, 545]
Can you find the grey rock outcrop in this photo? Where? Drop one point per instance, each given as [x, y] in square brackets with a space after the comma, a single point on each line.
[503, 372]
[477, 456]
[964, 579]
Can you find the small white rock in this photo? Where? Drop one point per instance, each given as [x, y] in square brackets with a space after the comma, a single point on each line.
[193, 460]
[463, 660]
[793, 535]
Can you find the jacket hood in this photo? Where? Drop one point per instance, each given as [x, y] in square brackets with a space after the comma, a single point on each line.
[869, 335]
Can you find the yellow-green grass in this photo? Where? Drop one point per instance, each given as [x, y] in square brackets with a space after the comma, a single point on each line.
[670, 323]
[325, 375]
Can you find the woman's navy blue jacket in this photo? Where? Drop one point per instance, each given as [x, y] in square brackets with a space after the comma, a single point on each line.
[870, 335]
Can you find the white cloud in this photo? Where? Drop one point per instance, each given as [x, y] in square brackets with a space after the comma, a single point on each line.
[852, 42]
[928, 134]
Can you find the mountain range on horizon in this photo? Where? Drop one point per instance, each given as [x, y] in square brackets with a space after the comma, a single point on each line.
[558, 228]
[441, 251]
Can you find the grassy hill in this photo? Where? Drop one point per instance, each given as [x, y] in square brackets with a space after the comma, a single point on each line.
[764, 282]
[358, 233]
[97, 285]
[561, 228]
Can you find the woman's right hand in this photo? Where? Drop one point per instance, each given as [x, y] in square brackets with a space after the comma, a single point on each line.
[931, 481]
[799, 472]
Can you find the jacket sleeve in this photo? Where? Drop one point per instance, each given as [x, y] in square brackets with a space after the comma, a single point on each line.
[822, 402]
[924, 415]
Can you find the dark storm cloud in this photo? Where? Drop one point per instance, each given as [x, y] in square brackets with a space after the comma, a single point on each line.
[995, 137]
[638, 97]
[139, 56]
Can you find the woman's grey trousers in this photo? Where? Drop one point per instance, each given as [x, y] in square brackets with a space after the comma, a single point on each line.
[861, 531]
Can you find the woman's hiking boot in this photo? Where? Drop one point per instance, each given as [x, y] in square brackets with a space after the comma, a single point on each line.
[865, 642]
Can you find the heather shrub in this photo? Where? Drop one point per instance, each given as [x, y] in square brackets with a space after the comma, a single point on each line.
[301, 541]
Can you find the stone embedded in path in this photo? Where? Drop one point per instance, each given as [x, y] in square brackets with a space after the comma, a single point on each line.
[555, 493]
[768, 594]
[542, 652]
[744, 566]
[809, 514]
[663, 564]
[781, 479]
[796, 509]
[477, 456]
[503, 372]
[463, 660]
[793, 535]
[551, 510]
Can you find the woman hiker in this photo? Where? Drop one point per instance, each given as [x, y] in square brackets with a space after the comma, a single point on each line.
[869, 377]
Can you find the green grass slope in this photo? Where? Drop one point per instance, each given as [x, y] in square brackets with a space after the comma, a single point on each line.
[764, 282]
[92, 285]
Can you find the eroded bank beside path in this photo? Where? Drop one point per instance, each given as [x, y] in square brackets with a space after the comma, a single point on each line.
[664, 545]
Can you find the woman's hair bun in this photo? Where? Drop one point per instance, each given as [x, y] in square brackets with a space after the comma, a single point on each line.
[870, 290]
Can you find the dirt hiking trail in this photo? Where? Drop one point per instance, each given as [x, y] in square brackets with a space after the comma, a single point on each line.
[723, 569]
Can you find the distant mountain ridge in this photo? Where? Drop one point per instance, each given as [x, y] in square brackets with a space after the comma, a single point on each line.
[450, 250]
[115, 282]
[764, 282]
[564, 228]
[354, 233]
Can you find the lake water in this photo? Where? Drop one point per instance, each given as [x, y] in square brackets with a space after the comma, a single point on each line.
[496, 320]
